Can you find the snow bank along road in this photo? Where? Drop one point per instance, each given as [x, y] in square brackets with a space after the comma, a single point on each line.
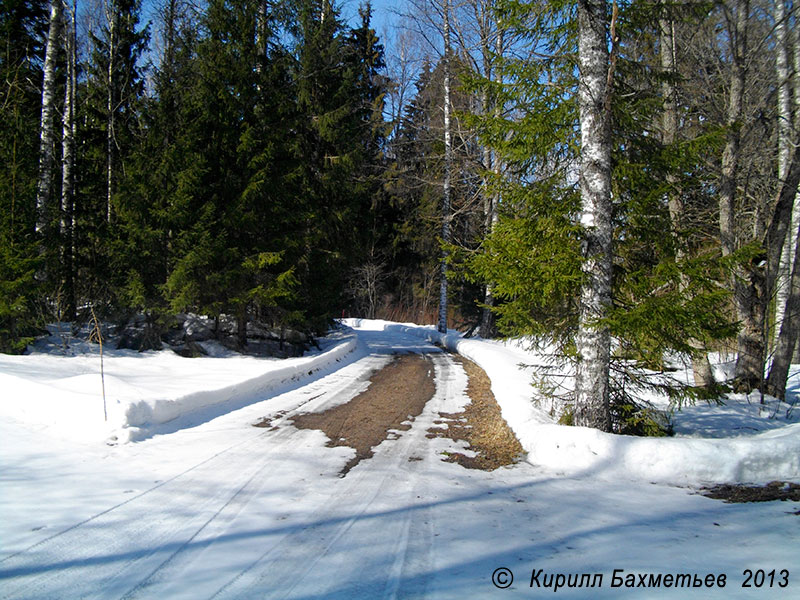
[227, 510]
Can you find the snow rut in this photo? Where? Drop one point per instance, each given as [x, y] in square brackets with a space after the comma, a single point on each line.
[147, 532]
[380, 500]
[133, 534]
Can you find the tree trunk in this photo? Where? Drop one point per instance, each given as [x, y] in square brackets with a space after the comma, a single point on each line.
[488, 329]
[796, 86]
[68, 169]
[448, 160]
[783, 74]
[241, 327]
[754, 294]
[47, 131]
[790, 330]
[486, 324]
[748, 283]
[730, 155]
[701, 368]
[111, 16]
[261, 39]
[593, 340]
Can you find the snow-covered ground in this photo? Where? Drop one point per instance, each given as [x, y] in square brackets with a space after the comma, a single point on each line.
[204, 505]
[742, 441]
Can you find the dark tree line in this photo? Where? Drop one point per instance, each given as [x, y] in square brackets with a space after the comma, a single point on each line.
[222, 160]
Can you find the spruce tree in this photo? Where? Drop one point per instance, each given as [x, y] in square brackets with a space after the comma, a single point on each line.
[339, 101]
[149, 193]
[233, 245]
[23, 25]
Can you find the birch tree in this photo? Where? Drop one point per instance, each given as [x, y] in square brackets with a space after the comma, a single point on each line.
[112, 19]
[593, 342]
[68, 136]
[788, 299]
[47, 128]
[789, 330]
[448, 162]
[491, 201]
[115, 75]
[764, 226]
[485, 45]
[786, 138]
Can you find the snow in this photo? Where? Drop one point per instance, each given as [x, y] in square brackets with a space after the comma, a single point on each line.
[148, 389]
[205, 505]
[737, 443]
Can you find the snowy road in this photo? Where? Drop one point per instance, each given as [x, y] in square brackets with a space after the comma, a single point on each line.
[227, 510]
[263, 510]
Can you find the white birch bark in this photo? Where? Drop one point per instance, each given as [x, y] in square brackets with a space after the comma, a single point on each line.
[593, 339]
[492, 201]
[783, 73]
[111, 17]
[489, 201]
[788, 321]
[448, 160]
[68, 128]
[47, 131]
[789, 330]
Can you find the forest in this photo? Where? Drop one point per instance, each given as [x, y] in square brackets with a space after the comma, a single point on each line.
[614, 181]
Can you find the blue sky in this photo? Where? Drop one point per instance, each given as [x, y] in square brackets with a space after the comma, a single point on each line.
[381, 12]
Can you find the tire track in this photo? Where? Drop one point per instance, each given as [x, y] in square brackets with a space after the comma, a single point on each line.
[129, 534]
[132, 534]
[130, 500]
[284, 568]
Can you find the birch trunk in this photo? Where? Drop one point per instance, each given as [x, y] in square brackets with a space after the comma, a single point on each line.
[593, 340]
[789, 331]
[796, 87]
[788, 336]
[111, 16]
[448, 160]
[490, 163]
[701, 368]
[47, 128]
[755, 293]
[783, 74]
[68, 167]
[261, 39]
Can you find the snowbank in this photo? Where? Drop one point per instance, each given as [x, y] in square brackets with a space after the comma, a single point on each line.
[752, 457]
[144, 390]
[151, 411]
[148, 393]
